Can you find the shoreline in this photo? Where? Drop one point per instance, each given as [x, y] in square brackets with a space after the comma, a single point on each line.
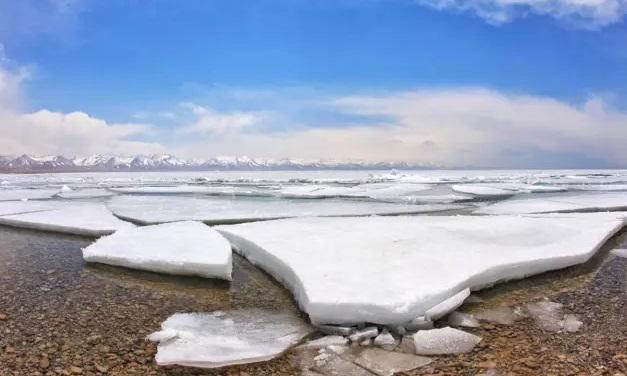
[55, 304]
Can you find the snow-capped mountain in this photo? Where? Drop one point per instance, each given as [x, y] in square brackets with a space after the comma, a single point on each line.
[167, 162]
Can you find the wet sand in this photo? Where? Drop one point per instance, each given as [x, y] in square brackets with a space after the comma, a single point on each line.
[61, 316]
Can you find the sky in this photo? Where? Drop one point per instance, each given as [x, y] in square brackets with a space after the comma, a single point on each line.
[453, 83]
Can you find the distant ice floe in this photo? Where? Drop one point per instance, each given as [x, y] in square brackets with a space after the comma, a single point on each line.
[479, 190]
[85, 193]
[7, 194]
[564, 203]
[186, 248]
[215, 210]
[212, 340]
[194, 189]
[375, 191]
[393, 270]
[89, 219]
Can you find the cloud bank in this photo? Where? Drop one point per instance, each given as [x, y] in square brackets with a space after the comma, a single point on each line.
[589, 14]
[449, 127]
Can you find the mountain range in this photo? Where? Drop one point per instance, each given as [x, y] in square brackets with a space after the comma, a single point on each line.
[166, 162]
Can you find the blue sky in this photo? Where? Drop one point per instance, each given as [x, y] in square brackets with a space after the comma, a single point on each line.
[290, 66]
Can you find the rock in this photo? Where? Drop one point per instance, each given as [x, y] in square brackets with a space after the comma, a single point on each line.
[385, 363]
[3, 317]
[332, 364]
[474, 299]
[571, 323]
[444, 341]
[324, 342]
[463, 320]
[335, 330]
[360, 335]
[44, 362]
[419, 323]
[385, 340]
[366, 342]
[9, 350]
[499, 315]
[76, 370]
[101, 368]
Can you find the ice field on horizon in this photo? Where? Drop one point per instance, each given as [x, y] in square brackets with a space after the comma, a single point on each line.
[394, 269]
[565, 203]
[184, 248]
[218, 210]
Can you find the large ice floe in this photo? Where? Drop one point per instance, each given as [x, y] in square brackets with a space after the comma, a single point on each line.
[85, 193]
[215, 210]
[483, 191]
[218, 339]
[392, 270]
[186, 248]
[563, 204]
[80, 218]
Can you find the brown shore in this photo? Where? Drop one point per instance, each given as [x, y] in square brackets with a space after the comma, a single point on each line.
[59, 316]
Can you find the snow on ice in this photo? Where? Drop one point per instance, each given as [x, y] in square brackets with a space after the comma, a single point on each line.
[391, 270]
[186, 248]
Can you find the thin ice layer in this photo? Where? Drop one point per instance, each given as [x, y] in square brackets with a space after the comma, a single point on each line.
[90, 219]
[565, 203]
[480, 190]
[215, 210]
[390, 270]
[18, 207]
[26, 194]
[212, 340]
[186, 248]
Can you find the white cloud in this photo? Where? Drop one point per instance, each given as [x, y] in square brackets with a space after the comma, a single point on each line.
[589, 14]
[47, 132]
[459, 127]
[211, 122]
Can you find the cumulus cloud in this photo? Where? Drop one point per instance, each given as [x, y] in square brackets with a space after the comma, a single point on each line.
[48, 132]
[455, 127]
[589, 14]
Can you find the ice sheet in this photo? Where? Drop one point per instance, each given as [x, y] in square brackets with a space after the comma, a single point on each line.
[561, 203]
[85, 193]
[480, 190]
[390, 270]
[186, 248]
[215, 210]
[7, 194]
[90, 219]
[212, 340]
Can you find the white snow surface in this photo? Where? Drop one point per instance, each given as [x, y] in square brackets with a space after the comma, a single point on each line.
[90, 219]
[185, 248]
[390, 270]
[212, 340]
[216, 210]
[565, 203]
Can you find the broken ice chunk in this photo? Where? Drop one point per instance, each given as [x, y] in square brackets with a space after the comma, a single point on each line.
[237, 337]
[365, 333]
[325, 342]
[463, 319]
[571, 323]
[334, 329]
[186, 248]
[620, 252]
[546, 314]
[499, 315]
[449, 305]
[385, 340]
[444, 341]
[385, 363]
[419, 323]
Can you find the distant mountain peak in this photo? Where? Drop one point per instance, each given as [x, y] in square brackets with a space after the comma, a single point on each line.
[169, 162]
